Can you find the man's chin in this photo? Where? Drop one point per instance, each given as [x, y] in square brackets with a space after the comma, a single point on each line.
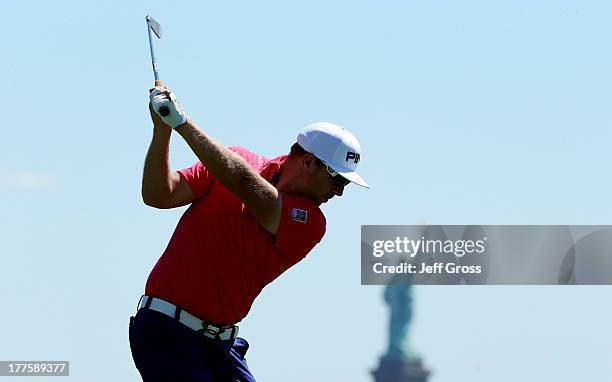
[316, 200]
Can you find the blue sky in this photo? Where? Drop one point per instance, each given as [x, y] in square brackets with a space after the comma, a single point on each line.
[473, 112]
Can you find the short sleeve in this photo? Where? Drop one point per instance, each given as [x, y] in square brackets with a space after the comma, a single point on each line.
[302, 226]
[200, 180]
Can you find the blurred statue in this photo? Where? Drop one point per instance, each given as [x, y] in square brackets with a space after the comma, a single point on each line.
[401, 363]
[399, 299]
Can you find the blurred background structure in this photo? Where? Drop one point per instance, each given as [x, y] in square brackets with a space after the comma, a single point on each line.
[400, 363]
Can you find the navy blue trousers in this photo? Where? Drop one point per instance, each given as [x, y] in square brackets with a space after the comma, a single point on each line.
[166, 350]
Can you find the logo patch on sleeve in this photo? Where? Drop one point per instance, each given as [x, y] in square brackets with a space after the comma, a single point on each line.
[299, 215]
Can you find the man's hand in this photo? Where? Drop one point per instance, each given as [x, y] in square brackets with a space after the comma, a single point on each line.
[162, 96]
[157, 121]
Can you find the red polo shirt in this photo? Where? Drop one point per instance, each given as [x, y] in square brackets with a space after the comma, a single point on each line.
[219, 257]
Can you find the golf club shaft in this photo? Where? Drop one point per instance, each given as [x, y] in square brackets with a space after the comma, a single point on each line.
[157, 82]
[163, 111]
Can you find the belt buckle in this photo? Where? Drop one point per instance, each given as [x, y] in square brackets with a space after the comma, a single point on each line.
[211, 331]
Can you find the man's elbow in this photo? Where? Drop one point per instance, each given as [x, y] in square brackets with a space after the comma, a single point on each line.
[268, 212]
[153, 201]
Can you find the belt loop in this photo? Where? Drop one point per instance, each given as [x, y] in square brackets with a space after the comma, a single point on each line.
[148, 302]
[139, 300]
[177, 312]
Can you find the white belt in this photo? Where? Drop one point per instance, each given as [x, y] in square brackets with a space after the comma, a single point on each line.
[223, 333]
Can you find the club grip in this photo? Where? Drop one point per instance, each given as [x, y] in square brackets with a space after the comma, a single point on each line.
[164, 111]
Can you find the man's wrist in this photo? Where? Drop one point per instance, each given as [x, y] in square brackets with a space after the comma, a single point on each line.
[162, 131]
[188, 122]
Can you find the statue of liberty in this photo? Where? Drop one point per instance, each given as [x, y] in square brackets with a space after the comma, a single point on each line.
[400, 363]
[399, 297]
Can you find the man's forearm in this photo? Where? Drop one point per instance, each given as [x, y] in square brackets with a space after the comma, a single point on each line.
[156, 184]
[229, 168]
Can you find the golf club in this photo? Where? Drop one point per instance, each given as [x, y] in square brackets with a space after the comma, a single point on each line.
[154, 26]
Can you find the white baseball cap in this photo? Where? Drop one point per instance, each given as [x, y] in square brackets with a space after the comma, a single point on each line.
[334, 145]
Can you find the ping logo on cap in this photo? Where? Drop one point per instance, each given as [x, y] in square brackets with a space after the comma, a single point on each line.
[352, 155]
[299, 215]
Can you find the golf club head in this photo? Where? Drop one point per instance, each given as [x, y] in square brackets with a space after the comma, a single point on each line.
[155, 27]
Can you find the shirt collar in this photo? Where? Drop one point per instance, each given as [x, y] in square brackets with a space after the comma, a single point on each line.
[270, 170]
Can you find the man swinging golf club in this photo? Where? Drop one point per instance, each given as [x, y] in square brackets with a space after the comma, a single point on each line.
[250, 219]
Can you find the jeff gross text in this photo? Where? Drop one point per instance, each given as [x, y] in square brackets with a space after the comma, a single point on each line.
[435, 268]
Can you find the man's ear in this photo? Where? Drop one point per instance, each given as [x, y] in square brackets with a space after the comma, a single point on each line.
[309, 162]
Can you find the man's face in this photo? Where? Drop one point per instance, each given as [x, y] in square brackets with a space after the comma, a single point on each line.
[320, 188]
[311, 179]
